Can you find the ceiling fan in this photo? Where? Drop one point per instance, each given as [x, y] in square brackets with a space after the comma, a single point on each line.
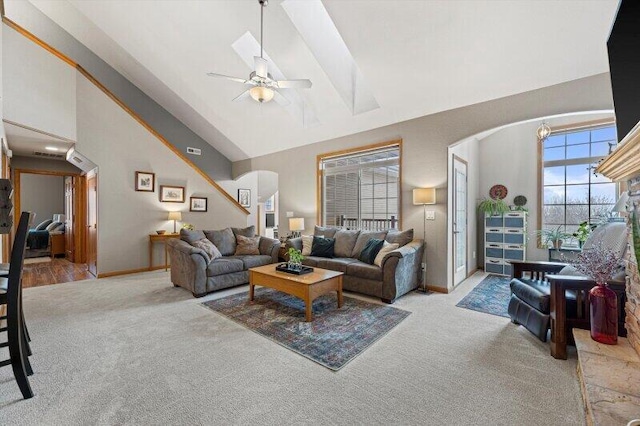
[265, 88]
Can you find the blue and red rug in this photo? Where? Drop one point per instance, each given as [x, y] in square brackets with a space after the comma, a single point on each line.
[332, 339]
[491, 296]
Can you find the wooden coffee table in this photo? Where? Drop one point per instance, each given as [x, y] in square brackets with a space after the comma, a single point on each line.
[307, 287]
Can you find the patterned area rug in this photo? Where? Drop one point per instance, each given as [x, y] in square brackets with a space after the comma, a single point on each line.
[335, 337]
[491, 296]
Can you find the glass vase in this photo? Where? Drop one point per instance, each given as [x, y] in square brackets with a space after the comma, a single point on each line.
[604, 314]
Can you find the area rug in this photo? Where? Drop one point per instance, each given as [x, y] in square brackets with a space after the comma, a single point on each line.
[332, 339]
[491, 296]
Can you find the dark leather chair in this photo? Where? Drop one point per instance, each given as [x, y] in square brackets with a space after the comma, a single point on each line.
[543, 300]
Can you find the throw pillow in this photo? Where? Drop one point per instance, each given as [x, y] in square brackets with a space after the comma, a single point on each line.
[224, 239]
[345, 242]
[400, 238]
[322, 247]
[386, 249]
[371, 250]
[52, 226]
[208, 247]
[247, 245]
[249, 231]
[363, 238]
[43, 225]
[307, 242]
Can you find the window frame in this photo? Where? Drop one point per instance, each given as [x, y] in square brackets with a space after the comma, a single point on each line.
[583, 126]
[351, 151]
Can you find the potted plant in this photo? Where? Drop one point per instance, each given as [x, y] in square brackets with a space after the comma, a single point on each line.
[553, 237]
[584, 229]
[295, 259]
[493, 206]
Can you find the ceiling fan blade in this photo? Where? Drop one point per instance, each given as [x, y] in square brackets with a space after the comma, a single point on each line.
[281, 100]
[238, 79]
[294, 84]
[261, 68]
[244, 95]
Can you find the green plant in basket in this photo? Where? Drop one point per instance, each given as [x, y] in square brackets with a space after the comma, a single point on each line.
[553, 237]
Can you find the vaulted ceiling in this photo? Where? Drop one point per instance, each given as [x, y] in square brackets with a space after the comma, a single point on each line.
[417, 58]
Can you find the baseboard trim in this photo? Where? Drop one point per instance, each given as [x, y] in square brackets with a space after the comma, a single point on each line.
[129, 271]
[438, 289]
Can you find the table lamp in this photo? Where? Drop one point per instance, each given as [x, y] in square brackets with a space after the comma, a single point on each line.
[423, 197]
[296, 224]
[175, 216]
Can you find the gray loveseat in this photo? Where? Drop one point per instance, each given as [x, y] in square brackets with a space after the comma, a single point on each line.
[192, 269]
[399, 274]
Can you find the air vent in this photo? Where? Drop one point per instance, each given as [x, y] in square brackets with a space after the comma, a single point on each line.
[49, 155]
[194, 151]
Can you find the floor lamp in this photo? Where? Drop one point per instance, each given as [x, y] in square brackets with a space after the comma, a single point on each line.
[423, 197]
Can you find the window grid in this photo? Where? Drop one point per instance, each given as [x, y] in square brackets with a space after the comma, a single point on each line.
[563, 204]
[360, 191]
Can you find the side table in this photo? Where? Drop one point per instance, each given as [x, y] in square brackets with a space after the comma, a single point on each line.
[155, 238]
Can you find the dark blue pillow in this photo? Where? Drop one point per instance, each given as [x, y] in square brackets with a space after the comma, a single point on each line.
[322, 247]
[370, 251]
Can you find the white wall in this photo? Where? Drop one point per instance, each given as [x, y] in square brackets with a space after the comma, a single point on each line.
[467, 150]
[42, 195]
[39, 88]
[119, 145]
[510, 157]
[248, 181]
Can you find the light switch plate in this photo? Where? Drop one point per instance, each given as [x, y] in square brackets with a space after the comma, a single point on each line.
[289, 214]
[431, 215]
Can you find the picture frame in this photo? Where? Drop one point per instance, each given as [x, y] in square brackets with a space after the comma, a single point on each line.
[268, 205]
[244, 197]
[145, 181]
[171, 194]
[198, 204]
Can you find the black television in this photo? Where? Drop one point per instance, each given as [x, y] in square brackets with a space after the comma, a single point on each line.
[271, 220]
[624, 64]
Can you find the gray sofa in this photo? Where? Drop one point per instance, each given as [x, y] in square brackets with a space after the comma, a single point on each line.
[192, 269]
[400, 272]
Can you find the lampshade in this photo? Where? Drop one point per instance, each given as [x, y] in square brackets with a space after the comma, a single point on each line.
[543, 131]
[423, 196]
[58, 218]
[621, 204]
[175, 215]
[261, 94]
[296, 224]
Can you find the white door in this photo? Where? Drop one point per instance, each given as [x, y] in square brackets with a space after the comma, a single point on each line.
[459, 220]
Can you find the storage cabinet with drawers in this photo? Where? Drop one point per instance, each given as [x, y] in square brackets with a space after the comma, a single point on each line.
[505, 238]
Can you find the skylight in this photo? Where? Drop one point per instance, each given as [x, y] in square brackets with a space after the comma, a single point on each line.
[247, 47]
[317, 29]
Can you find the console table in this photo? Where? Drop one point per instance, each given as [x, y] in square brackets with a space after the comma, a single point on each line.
[155, 238]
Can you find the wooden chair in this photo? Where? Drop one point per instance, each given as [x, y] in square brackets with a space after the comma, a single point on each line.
[17, 341]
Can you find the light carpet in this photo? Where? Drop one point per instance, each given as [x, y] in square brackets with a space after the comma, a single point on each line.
[136, 350]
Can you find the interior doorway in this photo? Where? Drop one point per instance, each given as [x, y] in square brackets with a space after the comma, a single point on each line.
[460, 220]
[56, 250]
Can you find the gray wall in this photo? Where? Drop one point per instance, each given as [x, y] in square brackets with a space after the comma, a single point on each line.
[211, 161]
[42, 195]
[426, 142]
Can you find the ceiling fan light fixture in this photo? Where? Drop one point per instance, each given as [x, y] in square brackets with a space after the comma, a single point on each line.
[261, 94]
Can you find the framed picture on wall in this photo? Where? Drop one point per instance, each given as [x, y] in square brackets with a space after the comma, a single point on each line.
[244, 197]
[268, 205]
[198, 204]
[145, 181]
[171, 194]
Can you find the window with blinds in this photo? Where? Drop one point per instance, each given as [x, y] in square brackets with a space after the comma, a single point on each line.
[361, 190]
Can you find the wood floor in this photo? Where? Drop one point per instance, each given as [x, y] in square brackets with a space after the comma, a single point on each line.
[55, 272]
